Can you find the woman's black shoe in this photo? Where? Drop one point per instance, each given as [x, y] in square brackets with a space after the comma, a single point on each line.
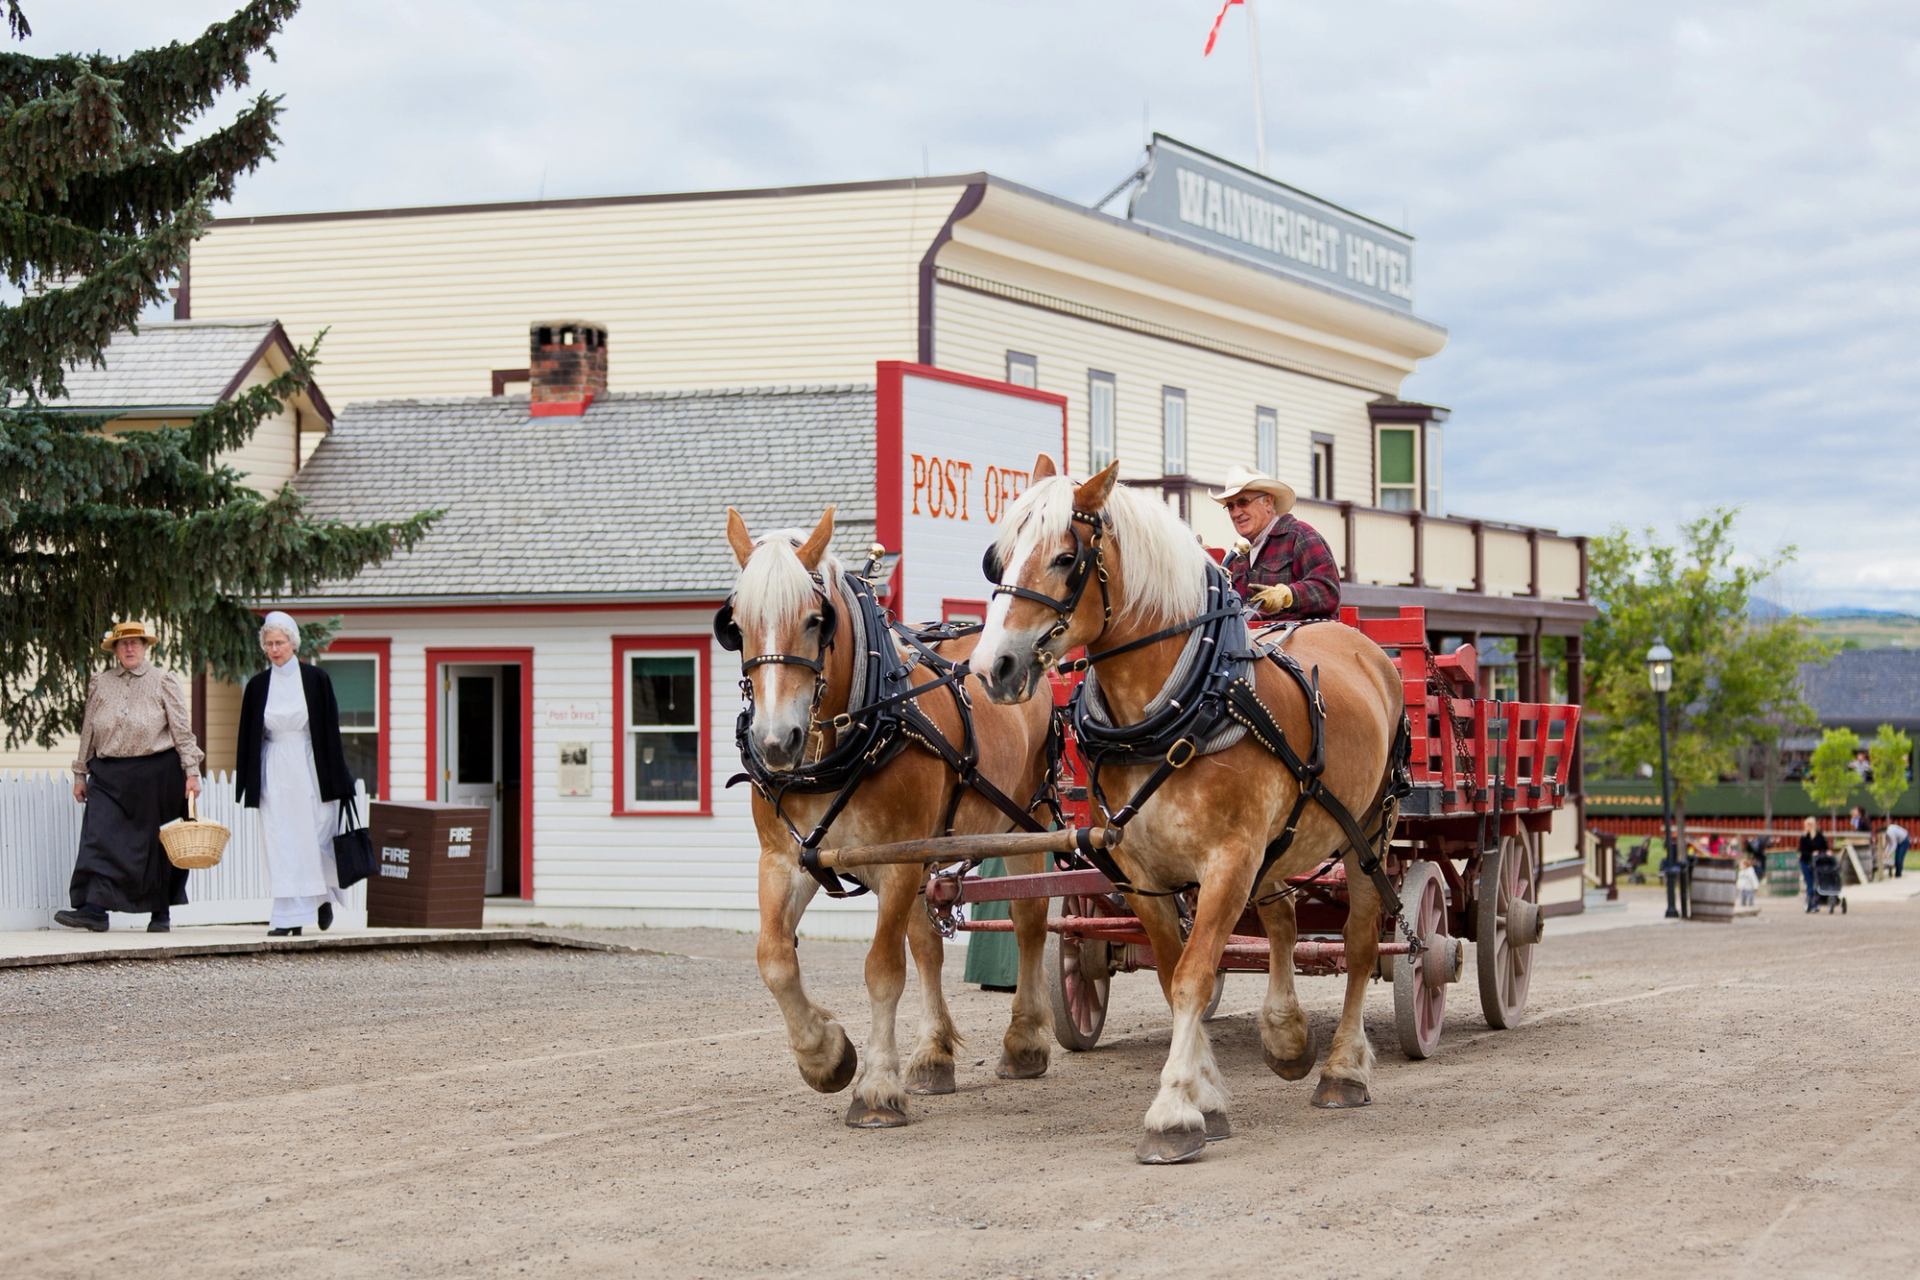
[284, 933]
[326, 916]
[80, 918]
[160, 924]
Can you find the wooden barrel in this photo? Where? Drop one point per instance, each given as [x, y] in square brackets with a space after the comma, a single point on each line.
[1714, 881]
[1783, 873]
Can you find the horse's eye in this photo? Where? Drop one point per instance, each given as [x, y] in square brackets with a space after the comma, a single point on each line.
[814, 620]
[1064, 560]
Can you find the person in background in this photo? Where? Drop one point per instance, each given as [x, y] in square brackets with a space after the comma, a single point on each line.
[1857, 820]
[1813, 842]
[1898, 842]
[292, 766]
[137, 764]
[1749, 885]
[1285, 573]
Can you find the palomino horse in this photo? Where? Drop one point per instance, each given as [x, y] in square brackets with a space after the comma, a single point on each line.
[1211, 821]
[798, 625]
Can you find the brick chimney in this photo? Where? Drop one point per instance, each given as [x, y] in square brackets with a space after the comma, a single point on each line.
[567, 366]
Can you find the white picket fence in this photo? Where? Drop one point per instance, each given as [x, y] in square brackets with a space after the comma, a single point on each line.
[40, 834]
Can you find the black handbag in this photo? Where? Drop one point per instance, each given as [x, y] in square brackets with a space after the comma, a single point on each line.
[352, 847]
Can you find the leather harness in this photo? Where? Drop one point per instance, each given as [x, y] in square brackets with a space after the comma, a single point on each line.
[868, 737]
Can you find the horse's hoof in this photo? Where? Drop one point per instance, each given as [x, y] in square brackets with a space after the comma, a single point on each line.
[1218, 1127]
[1029, 1064]
[1295, 1068]
[842, 1074]
[874, 1115]
[931, 1078]
[1335, 1094]
[1171, 1146]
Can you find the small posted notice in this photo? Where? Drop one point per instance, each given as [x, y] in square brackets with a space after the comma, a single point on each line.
[576, 769]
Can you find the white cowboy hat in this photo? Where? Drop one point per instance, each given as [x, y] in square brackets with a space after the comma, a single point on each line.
[1240, 480]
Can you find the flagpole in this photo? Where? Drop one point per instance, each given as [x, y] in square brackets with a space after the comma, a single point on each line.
[1259, 108]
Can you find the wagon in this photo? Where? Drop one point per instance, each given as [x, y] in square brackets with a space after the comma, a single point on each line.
[1488, 777]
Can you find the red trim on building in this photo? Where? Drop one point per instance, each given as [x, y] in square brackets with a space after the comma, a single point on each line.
[534, 607]
[701, 646]
[382, 650]
[964, 610]
[558, 408]
[522, 658]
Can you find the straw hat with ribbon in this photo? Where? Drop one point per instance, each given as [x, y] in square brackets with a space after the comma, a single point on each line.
[128, 631]
[1240, 480]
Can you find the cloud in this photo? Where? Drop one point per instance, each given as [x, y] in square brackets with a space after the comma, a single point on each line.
[1675, 248]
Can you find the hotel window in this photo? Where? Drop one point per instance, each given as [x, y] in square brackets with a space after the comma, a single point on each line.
[1173, 431]
[1430, 461]
[1323, 466]
[1100, 401]
[661, 748]
[356, 688]
[1022, 369]
[1396, 481]
[1266, 442]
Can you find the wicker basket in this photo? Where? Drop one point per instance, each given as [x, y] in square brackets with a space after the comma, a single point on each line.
[193, 843]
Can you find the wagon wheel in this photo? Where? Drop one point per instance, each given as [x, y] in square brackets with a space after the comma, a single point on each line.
[1078, 973]
[1420, 981]
[1507, 925]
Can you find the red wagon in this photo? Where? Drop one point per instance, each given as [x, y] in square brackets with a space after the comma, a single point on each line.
[1488, 777]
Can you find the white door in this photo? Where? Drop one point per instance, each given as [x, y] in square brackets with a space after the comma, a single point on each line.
[471, 765]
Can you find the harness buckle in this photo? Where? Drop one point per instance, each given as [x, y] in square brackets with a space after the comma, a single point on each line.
[1178, 758]
[841, 723]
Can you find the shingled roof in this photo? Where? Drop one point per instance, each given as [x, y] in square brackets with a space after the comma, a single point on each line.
[1864, 688]
[628, 500]
[177, 366]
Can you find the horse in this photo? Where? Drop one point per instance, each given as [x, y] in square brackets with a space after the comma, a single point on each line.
[801, 624]
[1214, 817]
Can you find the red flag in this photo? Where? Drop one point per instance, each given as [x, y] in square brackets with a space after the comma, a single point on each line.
[1215, 33]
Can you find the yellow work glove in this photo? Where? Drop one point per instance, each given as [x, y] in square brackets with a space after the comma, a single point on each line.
[1275, 598]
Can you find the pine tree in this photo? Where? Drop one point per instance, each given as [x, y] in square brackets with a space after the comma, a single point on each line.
[98, 209]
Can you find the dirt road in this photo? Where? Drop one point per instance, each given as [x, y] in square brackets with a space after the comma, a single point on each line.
[1687, 1100]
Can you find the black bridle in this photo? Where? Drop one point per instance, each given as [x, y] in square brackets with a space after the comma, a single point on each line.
[1088, 564]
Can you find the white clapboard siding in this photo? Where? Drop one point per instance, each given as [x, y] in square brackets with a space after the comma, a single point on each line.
[40, 835]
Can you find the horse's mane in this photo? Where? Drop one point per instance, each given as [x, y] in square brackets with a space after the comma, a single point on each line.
[774, 585]
[1165, 564]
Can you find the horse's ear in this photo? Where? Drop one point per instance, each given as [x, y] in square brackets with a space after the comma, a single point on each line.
[1042, 468]
[815, 546]
[738, 538]
[1092, 495]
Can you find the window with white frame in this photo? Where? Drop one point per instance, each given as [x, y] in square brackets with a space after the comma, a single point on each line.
[1100, 411]
[1397, 480]
[1023, 370]
[661, 721]
[356, 688]
[1173, 431]
[1323, 466]
[1431, 459]
[1266, 441]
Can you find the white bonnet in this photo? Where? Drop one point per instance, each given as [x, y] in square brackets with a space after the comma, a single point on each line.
[284, 624]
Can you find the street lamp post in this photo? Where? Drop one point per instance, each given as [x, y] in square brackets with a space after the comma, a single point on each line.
[1660, 676]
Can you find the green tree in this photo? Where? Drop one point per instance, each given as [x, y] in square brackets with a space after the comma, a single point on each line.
[1736, 678]
[1830, 779]
[99, 203]
[1889, 753]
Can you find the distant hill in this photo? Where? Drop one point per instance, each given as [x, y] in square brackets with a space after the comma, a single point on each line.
[1852, 625]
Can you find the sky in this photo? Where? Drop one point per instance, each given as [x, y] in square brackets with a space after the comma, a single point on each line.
[1676, 243]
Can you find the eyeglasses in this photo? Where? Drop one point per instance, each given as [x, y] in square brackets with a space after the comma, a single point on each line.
[1240, 504]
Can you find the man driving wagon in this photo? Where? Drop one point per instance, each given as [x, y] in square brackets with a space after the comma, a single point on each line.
[1283, 568]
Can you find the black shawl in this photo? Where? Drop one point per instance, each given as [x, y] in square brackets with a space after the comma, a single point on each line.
[323, 724]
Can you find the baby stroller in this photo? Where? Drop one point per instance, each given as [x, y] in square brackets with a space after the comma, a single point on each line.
[1827, 890]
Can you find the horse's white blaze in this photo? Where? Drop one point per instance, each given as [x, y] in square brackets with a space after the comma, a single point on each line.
[774, 594]
[996, 637]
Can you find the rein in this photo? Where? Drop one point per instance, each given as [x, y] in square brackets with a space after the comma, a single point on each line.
[868, 737]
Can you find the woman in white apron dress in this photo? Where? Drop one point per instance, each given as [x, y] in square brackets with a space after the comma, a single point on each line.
[297, 821]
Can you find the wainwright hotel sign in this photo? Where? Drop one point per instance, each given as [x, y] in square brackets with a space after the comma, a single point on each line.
[1195, 196]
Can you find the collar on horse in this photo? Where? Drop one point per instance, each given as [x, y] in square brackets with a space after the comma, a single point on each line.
[1215, 690]
[868, 736]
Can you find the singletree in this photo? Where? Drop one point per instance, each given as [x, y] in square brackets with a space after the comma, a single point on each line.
[1831, 778]
[1736, 677]
[99, 202]
[1889, 753]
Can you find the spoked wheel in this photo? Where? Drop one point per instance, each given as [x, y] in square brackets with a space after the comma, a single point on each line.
[1420, 981]
[1507, 925]
[1078, 973]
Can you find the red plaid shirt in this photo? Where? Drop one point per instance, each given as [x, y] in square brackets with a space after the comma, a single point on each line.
[1294, 553]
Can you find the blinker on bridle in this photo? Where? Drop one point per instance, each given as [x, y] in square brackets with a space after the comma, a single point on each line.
[1087, 564]
[727, 632]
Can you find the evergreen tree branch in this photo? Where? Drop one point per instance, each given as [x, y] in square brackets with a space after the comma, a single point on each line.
[40, 245]
[48, 140]
[145, 190]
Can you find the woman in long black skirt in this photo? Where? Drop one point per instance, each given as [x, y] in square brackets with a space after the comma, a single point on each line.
[138, 762]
